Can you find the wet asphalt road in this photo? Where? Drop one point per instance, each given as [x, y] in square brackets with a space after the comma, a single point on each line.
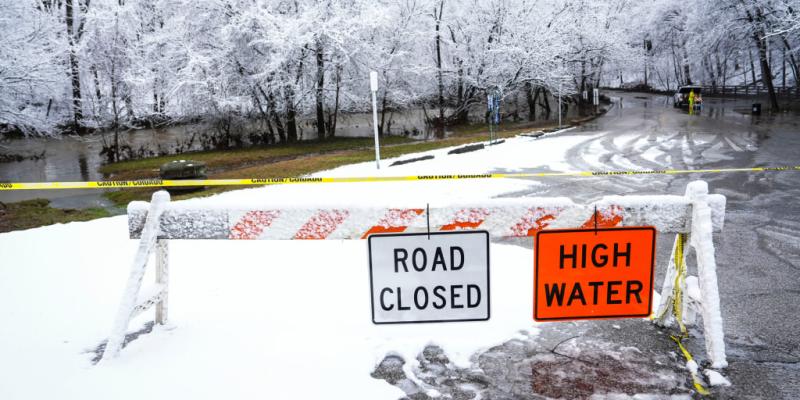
[758, 259]
[758, 251]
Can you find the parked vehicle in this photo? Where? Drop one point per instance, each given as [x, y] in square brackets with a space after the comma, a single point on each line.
[681, 97]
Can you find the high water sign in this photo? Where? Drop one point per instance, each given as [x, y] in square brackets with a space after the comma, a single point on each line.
[593, 273]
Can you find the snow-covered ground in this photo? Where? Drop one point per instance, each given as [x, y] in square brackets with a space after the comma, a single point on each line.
[267, 319]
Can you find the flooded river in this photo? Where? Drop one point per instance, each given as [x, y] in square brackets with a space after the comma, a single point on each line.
[78, 158]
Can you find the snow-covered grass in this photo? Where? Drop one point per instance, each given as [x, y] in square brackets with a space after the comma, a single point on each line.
[279, 320]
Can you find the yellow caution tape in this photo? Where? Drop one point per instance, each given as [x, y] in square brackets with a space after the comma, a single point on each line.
[697, 384]
[677, 309]
[680, 277]
[145, 183]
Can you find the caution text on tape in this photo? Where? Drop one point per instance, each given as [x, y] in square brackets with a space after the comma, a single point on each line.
[149, 183]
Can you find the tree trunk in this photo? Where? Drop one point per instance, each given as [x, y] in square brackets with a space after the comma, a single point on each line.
[783, 70]
[291, 115]
[676, 66]
[74, 68]
[96, 84]
[276, 119]
[320, 93]
[332, 123]
[115, 109]
[725, 74]
[273, 112]
[686, 65]
[460, 84]
[761, 42]
[766, 71]
[531, 101]
[645, 61]
[792, 60]
[291, 112]
[744, 75]
[599, 74]
[583, 81]
[383, 113]
[546, 102]
[128, 102]
[267, 138]
[440, 127]
[462, 114]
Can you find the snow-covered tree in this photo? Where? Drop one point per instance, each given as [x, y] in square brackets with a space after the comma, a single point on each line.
[272, 63]
[31, 74]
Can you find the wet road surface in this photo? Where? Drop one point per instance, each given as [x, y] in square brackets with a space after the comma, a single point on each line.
[758, 263]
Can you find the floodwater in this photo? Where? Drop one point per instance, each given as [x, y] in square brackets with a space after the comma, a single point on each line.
[78, 158]
[757, 252]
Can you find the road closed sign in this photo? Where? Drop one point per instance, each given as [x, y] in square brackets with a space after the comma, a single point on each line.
[436, 277]
[593, 273]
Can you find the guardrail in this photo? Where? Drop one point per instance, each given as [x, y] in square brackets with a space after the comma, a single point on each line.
[749, 90]
[732, 91]
[696, 214]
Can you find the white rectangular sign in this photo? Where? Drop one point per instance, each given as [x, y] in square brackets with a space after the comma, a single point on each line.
[429, 277]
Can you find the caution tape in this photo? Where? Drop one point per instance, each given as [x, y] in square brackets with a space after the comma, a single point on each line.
[695, 380]
[150, 183]
[677, 310]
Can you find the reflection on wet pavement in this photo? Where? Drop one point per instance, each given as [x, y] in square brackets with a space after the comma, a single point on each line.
[758, 257]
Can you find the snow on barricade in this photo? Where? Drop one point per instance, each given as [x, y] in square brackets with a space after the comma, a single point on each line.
[501, 217]
[696, 214]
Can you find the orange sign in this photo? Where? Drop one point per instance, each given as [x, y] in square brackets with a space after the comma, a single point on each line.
[593, 273]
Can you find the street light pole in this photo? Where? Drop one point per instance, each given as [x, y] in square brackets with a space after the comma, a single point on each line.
[373, 85]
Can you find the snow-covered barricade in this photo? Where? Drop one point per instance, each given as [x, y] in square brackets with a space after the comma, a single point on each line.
[697, 214]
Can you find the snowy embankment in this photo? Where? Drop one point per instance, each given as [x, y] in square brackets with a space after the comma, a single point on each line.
[267, 319]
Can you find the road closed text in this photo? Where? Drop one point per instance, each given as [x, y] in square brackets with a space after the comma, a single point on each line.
[436, 278]
[603, 273]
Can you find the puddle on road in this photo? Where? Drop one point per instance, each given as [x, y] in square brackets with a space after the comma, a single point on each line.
[580, 370]
[582, 365]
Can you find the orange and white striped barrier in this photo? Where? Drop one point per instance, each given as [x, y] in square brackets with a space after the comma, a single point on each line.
[696, 214]
[501, 217]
